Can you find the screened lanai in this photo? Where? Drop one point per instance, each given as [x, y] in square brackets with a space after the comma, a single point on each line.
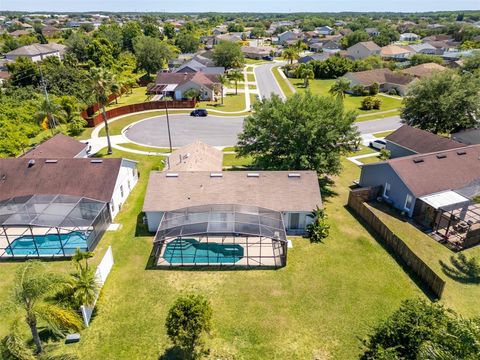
[50, 225]
[221, 235]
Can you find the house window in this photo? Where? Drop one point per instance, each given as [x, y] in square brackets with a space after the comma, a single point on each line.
[121, 191]
[129, 187]
[112, 206]
[386, 191]
[408, 202]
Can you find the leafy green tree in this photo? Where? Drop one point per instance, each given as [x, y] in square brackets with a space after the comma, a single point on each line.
[306, 132]
[152, 54]
[87, 27]
[223, 80]
[100, 51]
[13, 138]
[23, 72]
[333, 67]
[291, 54]
[70, 115]
[386, 36]
[472, 63]
[418, 59]
[101, 82]
[233, 27]
[48, 114]
[192, 94]
[188, 320]
[339, 88]
[318, 229]
[113, 33]
[258, 32]
[371, 103]
[33, 286]
[235, 76]
[229, 55]
[444, 102]
[169, 31]
[130, 31]
[187, 42]
[354, 38]
[77, 45]
[151, 29]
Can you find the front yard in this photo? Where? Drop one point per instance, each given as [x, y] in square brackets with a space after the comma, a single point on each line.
[327, 297]
[322, 87]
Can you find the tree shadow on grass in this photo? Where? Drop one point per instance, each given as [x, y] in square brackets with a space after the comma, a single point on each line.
[462, 269]
[172, 353]
[326, 190]
[141, 229]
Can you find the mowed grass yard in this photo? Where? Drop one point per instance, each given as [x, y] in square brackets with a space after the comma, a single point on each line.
[327, 297]
[322, 87]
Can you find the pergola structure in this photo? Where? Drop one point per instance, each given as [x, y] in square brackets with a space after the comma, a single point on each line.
[50, 225]
[229, 235]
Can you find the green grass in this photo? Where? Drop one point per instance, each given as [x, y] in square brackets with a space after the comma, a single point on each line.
[252, 87]
[322, 87]
[370, 160]
[462, 297]
[138, 95]
[251, 78]
[363, 150]
[327, 297]
[282, 82]
[233, 160]
[249, 68]
[144, 148]
[230, 148]
[255, 61]
[116, 127]
[379, 116]
[231, 103]
[382, 134]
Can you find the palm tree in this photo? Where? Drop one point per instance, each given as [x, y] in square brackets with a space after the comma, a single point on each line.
[116, 88]
[102, 81]
[79, 256]
[305, 72]
[300, 46]
[33, 286]
[50, 112]
[339, 88]
[236, 76]
[222, 80]
[291, 54]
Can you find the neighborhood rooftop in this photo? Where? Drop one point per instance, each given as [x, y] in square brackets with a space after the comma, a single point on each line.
[421, 141]
[59, 146]
[196, 156]
[275, 190]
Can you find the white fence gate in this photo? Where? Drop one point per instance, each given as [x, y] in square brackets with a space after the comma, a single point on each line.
[103, 269]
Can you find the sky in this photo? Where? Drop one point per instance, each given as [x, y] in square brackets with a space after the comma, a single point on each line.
[238, 5]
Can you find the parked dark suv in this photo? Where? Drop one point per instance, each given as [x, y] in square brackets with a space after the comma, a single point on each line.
[199, 112]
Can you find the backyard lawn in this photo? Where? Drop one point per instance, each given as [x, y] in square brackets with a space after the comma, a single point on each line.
[327, 297]
[138, 95]
[322, 87]
[145, 148]
[231, 103]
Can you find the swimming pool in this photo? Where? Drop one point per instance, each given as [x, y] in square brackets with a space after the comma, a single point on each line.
[48, 244]
[192, 251]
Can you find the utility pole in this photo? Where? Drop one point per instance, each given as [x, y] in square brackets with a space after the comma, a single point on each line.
[168, 122]
[51, 119]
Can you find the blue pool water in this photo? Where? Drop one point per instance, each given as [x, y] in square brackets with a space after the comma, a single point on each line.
[192, 251]
[48, 244]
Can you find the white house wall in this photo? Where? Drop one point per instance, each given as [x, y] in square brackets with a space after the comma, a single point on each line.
[126, 181]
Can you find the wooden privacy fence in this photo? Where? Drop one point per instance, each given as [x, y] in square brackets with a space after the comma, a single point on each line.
[356, 201]
[133, 108]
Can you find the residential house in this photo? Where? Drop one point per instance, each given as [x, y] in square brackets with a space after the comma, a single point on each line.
[257, 52]
[386, 78]
[35, 52]
[287, 36]
[340, 23]
[193, 66]
[59, 146]
[50, 31]
[231, 37]
[410, 37]
[219, 30]
[467, 136]
[372, 32]
[362, 50]
[196, 156]
[331, 47]
[324, 30]
[18, 33]
[345, 31]
[316, 47]
[408, 140]
[395, 52]
[423, 48]
[424, 70]
[314, 57]
[176, 84]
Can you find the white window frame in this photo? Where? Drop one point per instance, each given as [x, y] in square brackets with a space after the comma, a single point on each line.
[387, 185]
[121, 191]
[408, 197]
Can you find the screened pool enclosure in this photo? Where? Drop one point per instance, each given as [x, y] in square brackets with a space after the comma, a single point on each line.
[50, 225]
[221, 235]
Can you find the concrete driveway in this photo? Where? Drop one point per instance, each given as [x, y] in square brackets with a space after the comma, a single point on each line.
[213, 130]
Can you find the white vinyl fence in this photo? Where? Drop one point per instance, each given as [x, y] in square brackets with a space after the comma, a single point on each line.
[103, 269]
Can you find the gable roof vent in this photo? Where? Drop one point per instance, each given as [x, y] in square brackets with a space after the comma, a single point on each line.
[253, 175]
[96, 161]
[461, 152]
[48, 161]
[441, 156]
[171, 175]
[417, 161]
[216, 175]
[294, 175]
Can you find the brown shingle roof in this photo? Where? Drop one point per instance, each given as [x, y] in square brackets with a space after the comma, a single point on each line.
[370, 45]
[196, 156]
[380, 76]
[423, 70]
[458, 169]
[421, 141]
[273, 190]
[392, 50]
[77, 177]
[59, 146]
[208, 80]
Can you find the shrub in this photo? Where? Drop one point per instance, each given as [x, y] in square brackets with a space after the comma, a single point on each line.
[392, 92]
[187, 320]
[318, 229]
[374, 88]
[384, 154]
[359, 90]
